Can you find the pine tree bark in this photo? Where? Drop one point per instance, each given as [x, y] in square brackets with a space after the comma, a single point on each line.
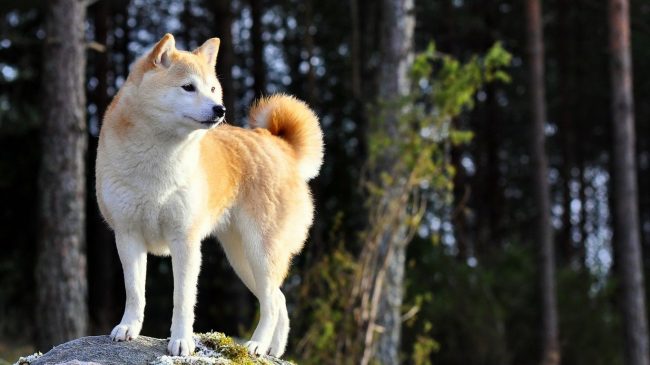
[626, 212]
[543, 229]
[61, 309]
[396, 53]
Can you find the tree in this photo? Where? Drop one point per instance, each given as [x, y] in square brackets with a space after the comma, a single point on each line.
[61, 309]
[625, 195]
[396, 55]
[543, 230]
[565, 78]
[101, 255]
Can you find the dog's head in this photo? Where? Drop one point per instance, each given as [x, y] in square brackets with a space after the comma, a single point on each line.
[179, 90]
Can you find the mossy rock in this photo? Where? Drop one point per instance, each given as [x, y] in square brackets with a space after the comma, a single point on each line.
[211, 348]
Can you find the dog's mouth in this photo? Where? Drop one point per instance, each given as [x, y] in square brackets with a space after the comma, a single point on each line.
[208, 122]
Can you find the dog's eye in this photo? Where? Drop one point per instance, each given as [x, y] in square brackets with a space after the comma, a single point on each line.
[189, 87]
[213, 88]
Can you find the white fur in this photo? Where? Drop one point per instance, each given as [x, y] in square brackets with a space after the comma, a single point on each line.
[148, 188]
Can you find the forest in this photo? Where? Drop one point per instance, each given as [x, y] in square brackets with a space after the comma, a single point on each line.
[484, 196]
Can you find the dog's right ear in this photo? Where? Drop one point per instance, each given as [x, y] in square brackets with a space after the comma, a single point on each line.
[161, 53]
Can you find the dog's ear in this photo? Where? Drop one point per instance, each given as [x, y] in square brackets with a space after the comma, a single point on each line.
[161, 53]
[209, 51]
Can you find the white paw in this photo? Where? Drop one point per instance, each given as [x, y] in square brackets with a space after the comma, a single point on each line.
[126, 332]
[181, 346]
[256, 348]
[276, 351]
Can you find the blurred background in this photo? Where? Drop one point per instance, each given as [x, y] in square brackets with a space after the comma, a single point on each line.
[478, 203]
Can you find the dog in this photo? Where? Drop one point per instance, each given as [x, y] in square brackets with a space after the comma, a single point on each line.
[170, 173]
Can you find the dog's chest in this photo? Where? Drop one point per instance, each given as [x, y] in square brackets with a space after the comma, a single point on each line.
[151, 200]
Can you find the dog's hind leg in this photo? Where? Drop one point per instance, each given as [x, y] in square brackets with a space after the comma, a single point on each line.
[265, 292]
[133, 255]
[261, 265]
[281, 333]
[232, 244]
[231, 241]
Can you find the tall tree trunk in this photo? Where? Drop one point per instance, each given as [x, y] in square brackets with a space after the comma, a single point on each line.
[543, 231]
[101, 252]
[61, 309]
[223, 19]
[259, 67]
[566, 124]
[626, 214]
[396, 52]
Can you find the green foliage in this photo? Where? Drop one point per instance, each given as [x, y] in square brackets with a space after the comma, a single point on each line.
[416, 144]
[484, 314]
[424, 347]
[324, 300]
[589, 319]
[411, 153]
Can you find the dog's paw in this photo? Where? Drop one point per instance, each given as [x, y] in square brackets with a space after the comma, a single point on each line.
[276, 351]
[181, 346]
[256, 348]
[126, 332]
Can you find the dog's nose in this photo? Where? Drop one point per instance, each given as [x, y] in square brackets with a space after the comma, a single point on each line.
[219, 111]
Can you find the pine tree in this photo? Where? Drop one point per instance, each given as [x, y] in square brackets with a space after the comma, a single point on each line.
[61, 309]
[543, 231]
[627, 242]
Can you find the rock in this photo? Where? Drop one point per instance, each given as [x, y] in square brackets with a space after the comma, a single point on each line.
[211, 348]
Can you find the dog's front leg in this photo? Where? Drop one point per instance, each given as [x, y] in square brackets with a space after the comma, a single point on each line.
[133, 255]
[186, 262]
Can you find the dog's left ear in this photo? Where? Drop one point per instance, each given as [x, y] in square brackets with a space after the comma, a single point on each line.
[209, 51]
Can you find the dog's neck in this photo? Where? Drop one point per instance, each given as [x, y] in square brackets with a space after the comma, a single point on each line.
[150, 150]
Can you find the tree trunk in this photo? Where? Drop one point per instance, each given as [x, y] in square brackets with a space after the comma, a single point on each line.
[567, 128]
[396, 52]
[226, 59]
[625, 210]
[259, 68]
[486, 183]
[543, 229]
[102, 253]
[61, 310]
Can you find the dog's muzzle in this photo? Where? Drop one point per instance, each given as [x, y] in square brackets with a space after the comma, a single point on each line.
[218, 115]
[218, 112]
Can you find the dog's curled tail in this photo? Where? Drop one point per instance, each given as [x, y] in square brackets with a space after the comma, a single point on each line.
[293, 121]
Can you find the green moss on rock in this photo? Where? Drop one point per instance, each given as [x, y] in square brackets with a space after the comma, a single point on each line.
[215, 348]
[228, 348]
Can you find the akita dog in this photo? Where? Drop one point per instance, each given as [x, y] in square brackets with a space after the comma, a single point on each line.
[170, 174]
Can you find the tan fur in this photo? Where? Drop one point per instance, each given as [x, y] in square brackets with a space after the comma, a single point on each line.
[285, 117]
[165, 181]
